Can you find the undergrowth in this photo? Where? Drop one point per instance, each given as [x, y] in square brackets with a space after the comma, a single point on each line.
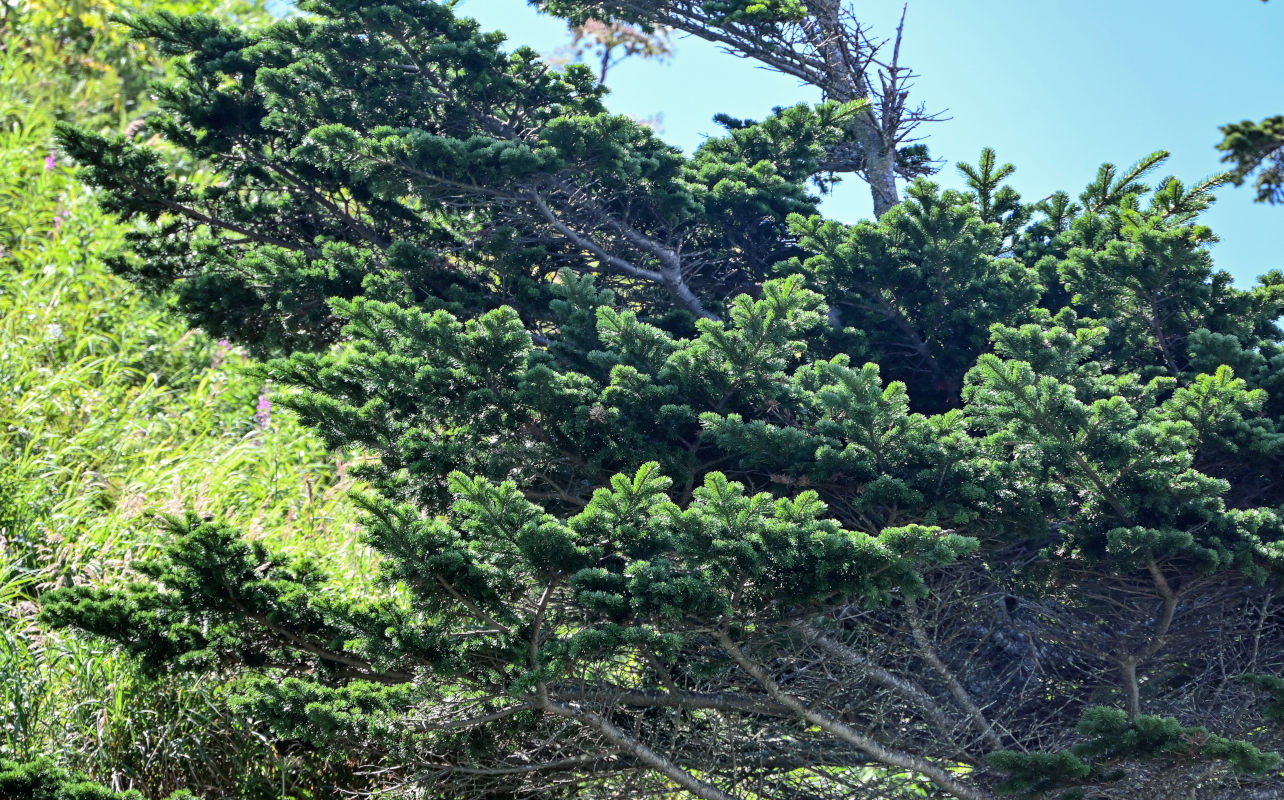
[112, 412]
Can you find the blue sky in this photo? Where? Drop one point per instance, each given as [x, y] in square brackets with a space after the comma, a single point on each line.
[1056, 87]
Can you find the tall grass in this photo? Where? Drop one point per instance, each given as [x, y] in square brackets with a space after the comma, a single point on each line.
[111, 411]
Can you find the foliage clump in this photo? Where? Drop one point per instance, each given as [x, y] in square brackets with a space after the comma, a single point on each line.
[43, 780]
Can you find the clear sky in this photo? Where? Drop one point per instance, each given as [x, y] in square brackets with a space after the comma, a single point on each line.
[1054, 86]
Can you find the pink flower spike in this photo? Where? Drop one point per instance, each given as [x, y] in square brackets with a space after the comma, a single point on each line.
[51, 161]
[220, 352]
[263, 413]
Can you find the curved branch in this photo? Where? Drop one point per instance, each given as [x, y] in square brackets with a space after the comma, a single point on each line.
[876, 750]
[635, 748]
[974, 712]
[669, 275]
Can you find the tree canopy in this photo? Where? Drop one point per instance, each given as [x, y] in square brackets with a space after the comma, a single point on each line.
[677, 485]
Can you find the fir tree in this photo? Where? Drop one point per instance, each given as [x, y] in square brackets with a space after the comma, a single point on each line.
[677, 485]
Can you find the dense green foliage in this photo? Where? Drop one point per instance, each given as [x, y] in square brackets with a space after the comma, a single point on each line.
[43, 780]
[677, 486]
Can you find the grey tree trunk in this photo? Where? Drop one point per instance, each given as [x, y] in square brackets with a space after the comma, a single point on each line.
[880, 173]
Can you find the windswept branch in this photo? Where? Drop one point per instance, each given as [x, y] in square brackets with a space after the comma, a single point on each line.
[876, 750]
[832, 50]
[638, 750]
[669, 275]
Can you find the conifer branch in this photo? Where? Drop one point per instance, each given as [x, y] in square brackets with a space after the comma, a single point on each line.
[960, 695]
[476, 610]
[876, 750]
[908, 689]
[639, 750]
[669, 275]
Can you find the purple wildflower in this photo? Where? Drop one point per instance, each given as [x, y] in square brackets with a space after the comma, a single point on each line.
[220, 353]
[263, 413]
[51, 161]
